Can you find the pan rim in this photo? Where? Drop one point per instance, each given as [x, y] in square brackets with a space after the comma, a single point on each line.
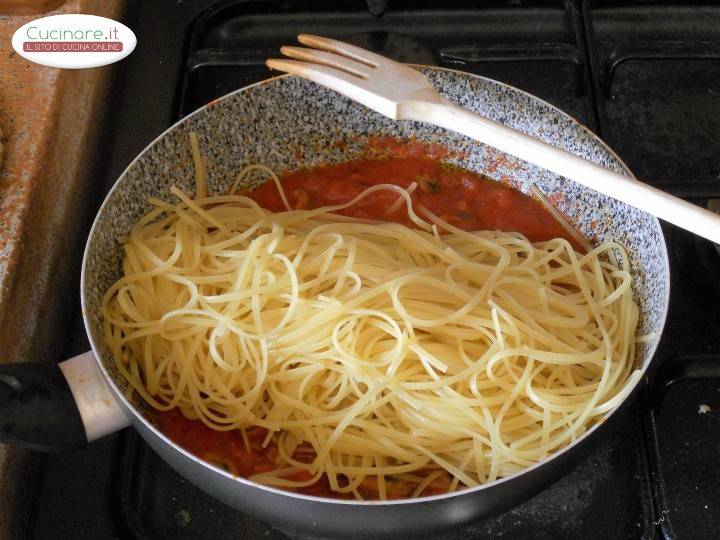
[137, 416]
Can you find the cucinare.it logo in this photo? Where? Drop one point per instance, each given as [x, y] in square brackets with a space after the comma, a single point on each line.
[74, 41]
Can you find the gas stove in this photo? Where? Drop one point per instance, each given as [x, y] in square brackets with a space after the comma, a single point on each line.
[643, 75]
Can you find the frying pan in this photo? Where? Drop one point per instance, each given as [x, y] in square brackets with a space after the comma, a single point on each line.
[287, 123]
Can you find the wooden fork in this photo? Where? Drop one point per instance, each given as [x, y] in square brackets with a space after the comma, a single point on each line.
[403, 93]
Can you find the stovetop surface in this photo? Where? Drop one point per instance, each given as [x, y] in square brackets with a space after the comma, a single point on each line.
[645, 76]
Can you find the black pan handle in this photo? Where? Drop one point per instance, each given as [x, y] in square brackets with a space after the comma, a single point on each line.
[37, 408]
[52, 407]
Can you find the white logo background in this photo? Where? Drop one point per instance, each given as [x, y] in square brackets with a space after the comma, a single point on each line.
[80, 28]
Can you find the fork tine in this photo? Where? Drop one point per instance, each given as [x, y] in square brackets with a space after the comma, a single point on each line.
[325, 75]
[327, 59]
[345, 49]
[355, 88]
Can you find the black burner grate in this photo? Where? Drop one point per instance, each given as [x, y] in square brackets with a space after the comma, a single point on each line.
[684, 428]
[657, 75]
[539, 49]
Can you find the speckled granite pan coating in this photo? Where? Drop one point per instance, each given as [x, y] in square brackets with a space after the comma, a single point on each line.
[275, 121]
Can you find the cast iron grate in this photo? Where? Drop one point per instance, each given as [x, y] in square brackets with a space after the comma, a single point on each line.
[684, 427]
[656, 71]
[537, 47]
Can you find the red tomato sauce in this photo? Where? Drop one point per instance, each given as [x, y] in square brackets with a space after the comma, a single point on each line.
[463, 198]
[227, 450]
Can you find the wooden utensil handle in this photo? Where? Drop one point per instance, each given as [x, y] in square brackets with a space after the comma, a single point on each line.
[628, 190]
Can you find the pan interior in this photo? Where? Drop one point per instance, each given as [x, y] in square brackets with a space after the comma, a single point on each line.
[288, 123]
